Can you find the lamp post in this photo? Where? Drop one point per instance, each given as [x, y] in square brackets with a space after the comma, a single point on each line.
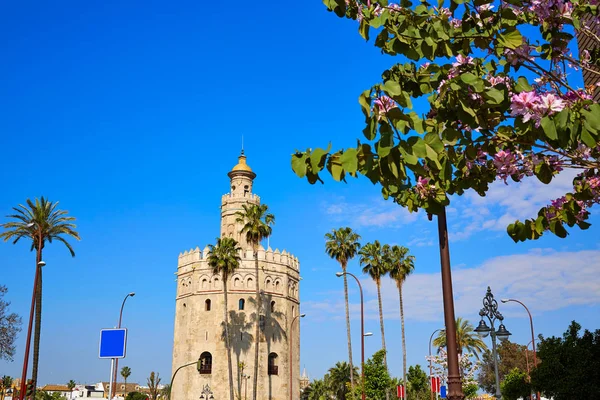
[291, 346]
[430, 367]
[490, 310]
[532, 334]
[454, 379]
[175, 374]
[114, 374]
[362, 330]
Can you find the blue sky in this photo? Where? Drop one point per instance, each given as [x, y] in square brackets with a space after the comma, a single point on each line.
[131, 114]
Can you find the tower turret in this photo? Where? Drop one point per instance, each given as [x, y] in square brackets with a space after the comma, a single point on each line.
[241, 178]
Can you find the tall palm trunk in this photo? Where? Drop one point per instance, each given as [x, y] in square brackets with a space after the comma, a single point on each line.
[257, 330]
[378, 283]
[227, 338]
[38, 321]
[399, 284]
[348, 326]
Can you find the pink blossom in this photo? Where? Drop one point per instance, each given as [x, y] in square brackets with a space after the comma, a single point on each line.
[520, 54]
[550, 104]
[423, 188]
[382, 105]
[524, 104]
[456, 23]
[462, 60]
[506, 165]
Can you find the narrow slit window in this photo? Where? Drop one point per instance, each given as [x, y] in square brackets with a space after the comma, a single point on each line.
[207, 305]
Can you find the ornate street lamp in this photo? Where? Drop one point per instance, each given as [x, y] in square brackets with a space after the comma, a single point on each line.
[490, 310]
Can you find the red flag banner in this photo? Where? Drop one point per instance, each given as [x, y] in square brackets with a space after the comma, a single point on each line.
[435, 384]
[400, 391]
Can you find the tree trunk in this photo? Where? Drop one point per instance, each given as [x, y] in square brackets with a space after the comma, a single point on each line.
[227, 338]
[257, 330]
[38, 323]
[378, 283]
[403, 335]
[348, 327]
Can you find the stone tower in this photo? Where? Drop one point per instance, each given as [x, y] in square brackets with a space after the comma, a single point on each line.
[198, 336]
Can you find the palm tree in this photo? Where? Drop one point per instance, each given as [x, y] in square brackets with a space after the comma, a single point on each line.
[342, 245]
[71, 385]
[339, 377]
[165, 392]
[318, 390]
[224, 259]
[256, 221]
[401, 266]
[371, 256]
[39, 221]
[125, 373]
[466, 338]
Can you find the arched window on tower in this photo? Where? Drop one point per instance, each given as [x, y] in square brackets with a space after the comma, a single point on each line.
[242, 304]
[273, 368]
[207, 305]
[205, 363]
[272, 306]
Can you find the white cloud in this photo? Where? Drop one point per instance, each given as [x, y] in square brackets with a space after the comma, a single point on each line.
[503, 204]
[374, 213]
[543, 279]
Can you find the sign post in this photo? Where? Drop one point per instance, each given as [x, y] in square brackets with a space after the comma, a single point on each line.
[113, 345]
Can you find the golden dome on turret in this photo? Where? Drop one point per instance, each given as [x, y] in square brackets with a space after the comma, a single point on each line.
[241, 165]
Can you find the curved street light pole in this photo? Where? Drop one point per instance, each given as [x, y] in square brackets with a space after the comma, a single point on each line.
[291, 346]
[430, 368]
[362, 331]
[114, 384]
[532, 334]
[175, 374]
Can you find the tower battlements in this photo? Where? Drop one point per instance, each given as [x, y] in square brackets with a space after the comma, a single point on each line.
[282, 258]
[250, 197]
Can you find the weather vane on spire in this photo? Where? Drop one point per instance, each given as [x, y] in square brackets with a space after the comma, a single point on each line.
[242, 144]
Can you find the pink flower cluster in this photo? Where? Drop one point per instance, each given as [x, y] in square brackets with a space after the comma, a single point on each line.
[553, 12]
[593, 181]
[532, 106]
[382, 105]
[424, 189]
[506, 164]
[480, 160]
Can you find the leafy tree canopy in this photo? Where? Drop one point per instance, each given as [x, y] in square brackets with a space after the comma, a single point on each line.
[136, 396]
[569, 366]
[418, 383]
[10, 325]
[496, 78]
[515, 385]
[510, 356]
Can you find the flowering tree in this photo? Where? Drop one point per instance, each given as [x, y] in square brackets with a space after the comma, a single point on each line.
[467, 367]
[498, 79]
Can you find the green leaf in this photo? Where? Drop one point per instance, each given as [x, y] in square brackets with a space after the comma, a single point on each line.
[365, 102]
[523, 85]
[561, 120]
[511, 38]
[494, 96]
[469, 78]
[299, 164]
[392, 88]
[349, 161]
[549, 128]
[317, 158]
[587, 138]
[417, 123]
[543, 173]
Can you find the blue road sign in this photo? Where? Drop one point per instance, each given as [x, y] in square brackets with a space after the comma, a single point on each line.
[113, 343]
[443, 392]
